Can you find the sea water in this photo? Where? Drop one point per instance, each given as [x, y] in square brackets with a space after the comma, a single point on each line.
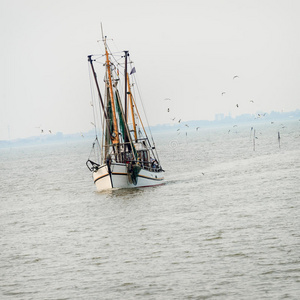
[225, 225]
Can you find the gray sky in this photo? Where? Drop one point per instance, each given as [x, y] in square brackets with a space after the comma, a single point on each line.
[188, 51]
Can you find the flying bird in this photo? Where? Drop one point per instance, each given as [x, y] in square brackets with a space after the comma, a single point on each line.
[168, 109]
[223, 93]
[42, 131]
[252, 101]
[50, 131]
[167, 99]
[197, 128]
[179, 121]
[237, 105]
[173, 119]
[186, 125]
[235, 77]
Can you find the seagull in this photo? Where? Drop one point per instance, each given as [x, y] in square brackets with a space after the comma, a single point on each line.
[167, 99]
[42, 131]
[237, 105]
[235, 77]
[223, 93]
[168, 109]
[179, 121]
[173, 119]
[93, 124]
[197, 128]
[50, 131]
[252, 101]
[186, 125]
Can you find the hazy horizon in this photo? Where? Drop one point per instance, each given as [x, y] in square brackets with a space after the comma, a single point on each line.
[278, 120]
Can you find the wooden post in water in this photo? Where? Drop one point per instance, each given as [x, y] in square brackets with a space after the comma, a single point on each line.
[254, 140]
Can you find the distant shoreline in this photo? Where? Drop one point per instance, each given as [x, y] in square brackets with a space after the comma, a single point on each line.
[220, 121]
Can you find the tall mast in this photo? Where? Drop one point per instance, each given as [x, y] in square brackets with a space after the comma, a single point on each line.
[115, 138]
[131, 105]
[125, 103]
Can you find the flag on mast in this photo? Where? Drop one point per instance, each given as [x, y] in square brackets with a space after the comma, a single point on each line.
[133, 70]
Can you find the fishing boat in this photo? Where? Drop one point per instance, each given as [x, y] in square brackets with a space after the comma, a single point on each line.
[123, 154]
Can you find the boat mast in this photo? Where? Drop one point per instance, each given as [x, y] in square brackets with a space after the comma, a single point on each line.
[115, 137]
[132, 112]
[125, 102]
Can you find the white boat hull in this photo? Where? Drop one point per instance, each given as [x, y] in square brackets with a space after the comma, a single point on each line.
[118, 177]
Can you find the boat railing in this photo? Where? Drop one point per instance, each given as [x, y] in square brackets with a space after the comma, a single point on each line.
[146, 165]
[122, 145]
[94, 167]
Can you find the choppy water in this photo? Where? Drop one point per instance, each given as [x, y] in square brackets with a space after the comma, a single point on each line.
[225, 225]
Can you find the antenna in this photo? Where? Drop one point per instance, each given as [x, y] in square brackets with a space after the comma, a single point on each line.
[103, 37]
[102, 31]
